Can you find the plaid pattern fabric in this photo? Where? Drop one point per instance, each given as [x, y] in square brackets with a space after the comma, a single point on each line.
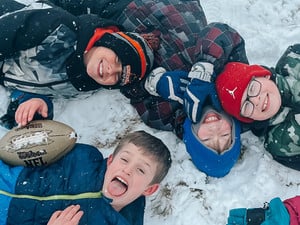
[160, 114]
[219, 44]
[185, 37]
[178, 23]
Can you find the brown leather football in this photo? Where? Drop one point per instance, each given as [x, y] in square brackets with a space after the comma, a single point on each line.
[40, 143]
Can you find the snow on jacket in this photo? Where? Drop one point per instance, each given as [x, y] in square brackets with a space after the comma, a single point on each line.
[30, 195]
[42, 46]
[282, 131]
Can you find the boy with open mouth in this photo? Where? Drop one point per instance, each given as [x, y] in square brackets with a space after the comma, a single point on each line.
[108, 191]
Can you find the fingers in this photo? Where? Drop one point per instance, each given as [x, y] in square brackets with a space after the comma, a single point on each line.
[69, 216]
[54, 216]
[70, 212]
[27, 110]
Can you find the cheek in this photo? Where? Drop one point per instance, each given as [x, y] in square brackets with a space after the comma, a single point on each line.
[88, 69]
[226, 126]
[203, 131]
[275, 103]
[113, 166]
[91, 67]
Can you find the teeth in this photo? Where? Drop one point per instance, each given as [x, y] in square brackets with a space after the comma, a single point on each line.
[211, 118]
[121, 180]
[265, 104]
[100, 69]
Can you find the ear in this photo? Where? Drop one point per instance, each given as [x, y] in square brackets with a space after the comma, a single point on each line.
[109, 160]
[151, 189]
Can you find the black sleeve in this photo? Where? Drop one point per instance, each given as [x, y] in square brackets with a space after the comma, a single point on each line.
[109, 9]
[27, 28]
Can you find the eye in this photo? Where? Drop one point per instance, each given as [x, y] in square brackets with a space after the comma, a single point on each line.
[252, 87]
[204, 139]
[247, 109]
[141, 171]
[124, 160]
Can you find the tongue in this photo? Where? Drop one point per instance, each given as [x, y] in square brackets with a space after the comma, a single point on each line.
[116, 188]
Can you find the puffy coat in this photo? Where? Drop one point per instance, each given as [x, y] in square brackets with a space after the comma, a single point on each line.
[81, 171]
[282, 131]
[42, 46]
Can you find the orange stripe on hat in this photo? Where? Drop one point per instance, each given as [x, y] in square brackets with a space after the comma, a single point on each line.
[139, 49]
[98, 33]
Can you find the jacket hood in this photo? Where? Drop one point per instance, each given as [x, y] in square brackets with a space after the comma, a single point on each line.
[208, 160]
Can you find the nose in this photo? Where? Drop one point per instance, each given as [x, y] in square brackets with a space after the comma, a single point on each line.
[127, 170]
[110, 69]
[255, 100]
[213, 143]
[114, 68]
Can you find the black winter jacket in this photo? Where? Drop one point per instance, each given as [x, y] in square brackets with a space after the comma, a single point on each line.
[42, 46]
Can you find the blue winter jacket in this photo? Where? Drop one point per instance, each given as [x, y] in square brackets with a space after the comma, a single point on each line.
[30, 195]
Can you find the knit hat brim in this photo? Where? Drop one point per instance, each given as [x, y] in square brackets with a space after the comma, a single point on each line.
[132, 50]
[231, 84]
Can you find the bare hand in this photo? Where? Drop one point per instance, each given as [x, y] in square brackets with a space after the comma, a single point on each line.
[69, 216]
[26, 110]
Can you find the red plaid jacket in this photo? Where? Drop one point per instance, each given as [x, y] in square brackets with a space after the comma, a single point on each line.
[185, 38]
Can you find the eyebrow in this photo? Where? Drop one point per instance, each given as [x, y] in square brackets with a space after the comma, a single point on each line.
[144, 162]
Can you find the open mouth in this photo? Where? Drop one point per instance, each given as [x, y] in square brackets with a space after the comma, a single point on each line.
[117, 187]
[211, 117]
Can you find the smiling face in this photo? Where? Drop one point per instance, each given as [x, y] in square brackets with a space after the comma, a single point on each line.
[215, 131]
[103, 65]
[129, 175]
[267, 102]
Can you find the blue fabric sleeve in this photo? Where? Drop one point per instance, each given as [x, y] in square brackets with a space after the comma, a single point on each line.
[22, 96]
[8, 180]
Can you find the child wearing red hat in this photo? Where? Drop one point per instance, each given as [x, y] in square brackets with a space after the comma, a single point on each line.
[247, 93]
[47, 52]
[267, 100]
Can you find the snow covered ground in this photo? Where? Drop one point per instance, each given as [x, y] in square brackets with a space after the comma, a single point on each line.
[187, 196]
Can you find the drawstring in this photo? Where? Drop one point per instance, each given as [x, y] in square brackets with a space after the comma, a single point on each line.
[55, 197]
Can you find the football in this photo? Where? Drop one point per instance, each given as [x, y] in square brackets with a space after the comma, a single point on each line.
[40, 143]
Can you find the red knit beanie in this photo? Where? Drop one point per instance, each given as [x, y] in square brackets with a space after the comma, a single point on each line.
[232, 83]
